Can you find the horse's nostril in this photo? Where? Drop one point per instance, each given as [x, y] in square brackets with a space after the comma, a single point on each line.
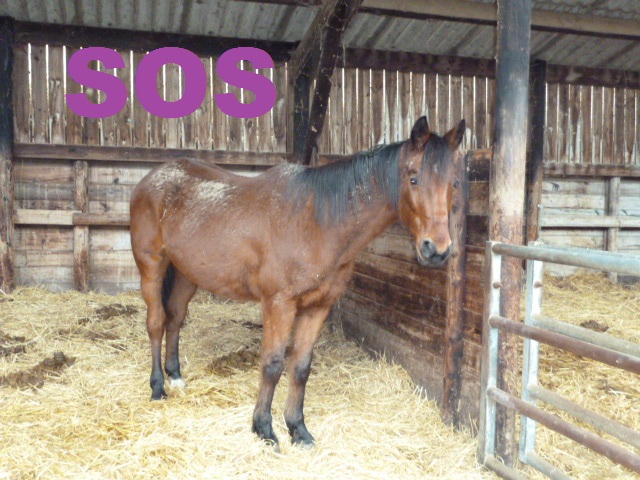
[427, 249]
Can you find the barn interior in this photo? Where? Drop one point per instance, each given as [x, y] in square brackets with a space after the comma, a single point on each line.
[349, 75]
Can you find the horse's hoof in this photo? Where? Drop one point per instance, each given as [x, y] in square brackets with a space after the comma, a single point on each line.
[265, 433]
[161, 395]
[177, 383]
[305, 442]
[300, 436]
[304, 445]
[274, 444]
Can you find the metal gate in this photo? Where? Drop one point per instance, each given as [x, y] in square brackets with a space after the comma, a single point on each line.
[537, 329]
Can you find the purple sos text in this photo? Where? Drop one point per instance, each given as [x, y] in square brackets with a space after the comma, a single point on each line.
[194, 87]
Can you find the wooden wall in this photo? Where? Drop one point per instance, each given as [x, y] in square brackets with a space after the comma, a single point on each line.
[591, 211]
[596, 125]
[42, 115]
[370, 107]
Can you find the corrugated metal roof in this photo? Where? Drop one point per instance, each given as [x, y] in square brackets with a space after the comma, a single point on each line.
[267, 21]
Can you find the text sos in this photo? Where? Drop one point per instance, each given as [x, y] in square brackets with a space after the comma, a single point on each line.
[194, 88]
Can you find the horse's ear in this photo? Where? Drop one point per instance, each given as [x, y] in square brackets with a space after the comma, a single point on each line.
[455, 135]
[420, 133]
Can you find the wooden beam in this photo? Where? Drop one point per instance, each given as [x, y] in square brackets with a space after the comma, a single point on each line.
[594, 77]
[537, 101]
[456, 269]
[591, 221]
[332, 15]
[567, 170]
[486, 14]
[480, 67]
[296, 3]
[7, 279]
[81, 263]
[121, 39]
[70, 218]
[298, 115]
[416, 62]
[101, 219]
[613, 208]
[63, 218]
[145, 155]
[316, 58]
[479, 161]
[507, 191]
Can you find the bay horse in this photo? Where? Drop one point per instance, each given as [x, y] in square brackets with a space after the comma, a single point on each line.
[287, 238]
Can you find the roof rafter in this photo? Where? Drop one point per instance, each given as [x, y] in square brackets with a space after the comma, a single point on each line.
[315, 58]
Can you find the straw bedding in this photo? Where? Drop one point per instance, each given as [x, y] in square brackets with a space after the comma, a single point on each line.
[75, 398]
[85, 412]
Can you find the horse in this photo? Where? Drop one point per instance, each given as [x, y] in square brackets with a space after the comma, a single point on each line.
[287, 238]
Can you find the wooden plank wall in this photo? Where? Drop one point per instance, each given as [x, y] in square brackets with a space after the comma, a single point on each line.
[43, 117]
[595, 125]
[589, 200]
[370, 107]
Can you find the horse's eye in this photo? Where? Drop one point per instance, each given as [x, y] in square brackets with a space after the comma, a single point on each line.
[413, 181]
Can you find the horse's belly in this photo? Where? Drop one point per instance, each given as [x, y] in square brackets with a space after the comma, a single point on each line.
[226, 275]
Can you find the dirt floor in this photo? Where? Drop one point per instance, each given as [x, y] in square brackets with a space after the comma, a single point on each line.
[75, 401]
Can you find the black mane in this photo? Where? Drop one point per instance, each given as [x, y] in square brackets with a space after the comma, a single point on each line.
[342, 187]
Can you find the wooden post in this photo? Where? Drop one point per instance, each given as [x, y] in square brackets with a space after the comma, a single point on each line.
[507, 189]
[298, 104]
[613, 207]
[315, 59]
[81, 266]
[536, 155]
[456, 269]
[7, 279]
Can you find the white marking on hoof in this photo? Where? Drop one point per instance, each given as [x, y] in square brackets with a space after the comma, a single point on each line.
[177, 383]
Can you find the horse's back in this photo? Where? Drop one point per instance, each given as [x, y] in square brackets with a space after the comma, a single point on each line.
[201, 216]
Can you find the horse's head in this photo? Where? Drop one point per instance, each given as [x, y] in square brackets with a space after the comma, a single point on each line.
[426, 190]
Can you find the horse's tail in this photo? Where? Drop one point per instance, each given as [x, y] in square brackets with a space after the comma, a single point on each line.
[167, 285]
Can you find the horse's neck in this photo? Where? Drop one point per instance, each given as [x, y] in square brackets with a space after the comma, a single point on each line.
[371, 220]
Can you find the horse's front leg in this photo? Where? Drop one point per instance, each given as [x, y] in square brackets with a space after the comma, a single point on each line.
[307, 328]
[278, 317]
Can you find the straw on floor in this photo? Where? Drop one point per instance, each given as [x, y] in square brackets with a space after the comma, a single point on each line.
[74, 396]
[85, 412]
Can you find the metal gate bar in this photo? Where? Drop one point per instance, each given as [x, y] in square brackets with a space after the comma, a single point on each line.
[539, 328]
[607, 425]
[576, 257]
[580, 333]
[564, 342]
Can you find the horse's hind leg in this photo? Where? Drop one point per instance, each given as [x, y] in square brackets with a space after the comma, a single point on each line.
[308, 325]
[182, 291]
[152, 270]
[278, 317]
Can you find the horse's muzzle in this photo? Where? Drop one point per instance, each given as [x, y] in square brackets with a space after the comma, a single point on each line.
[428, 255]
